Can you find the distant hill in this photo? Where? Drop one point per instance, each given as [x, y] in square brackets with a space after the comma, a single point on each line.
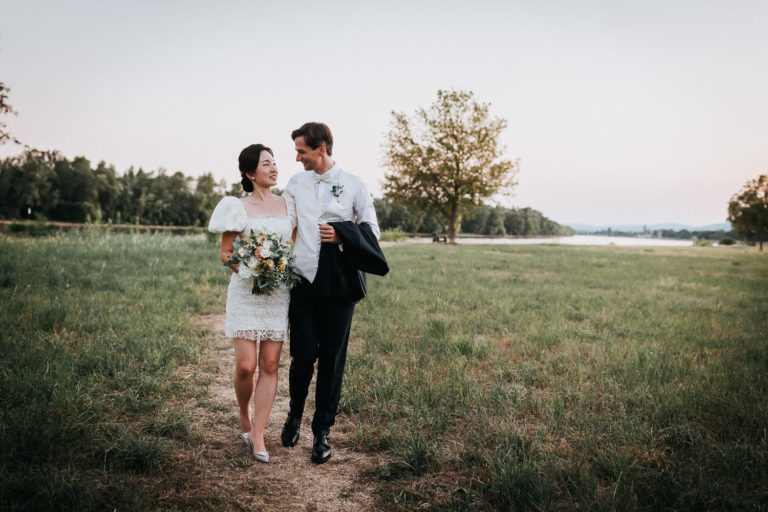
[638, 228]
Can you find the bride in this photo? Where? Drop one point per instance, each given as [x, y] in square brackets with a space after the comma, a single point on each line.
[257, 324]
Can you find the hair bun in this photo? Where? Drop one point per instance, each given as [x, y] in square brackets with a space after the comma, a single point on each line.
[246, 182]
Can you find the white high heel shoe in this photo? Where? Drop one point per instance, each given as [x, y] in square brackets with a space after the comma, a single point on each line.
[259, 456]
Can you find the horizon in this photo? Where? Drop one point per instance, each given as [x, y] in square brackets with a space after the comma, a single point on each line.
[637, 113]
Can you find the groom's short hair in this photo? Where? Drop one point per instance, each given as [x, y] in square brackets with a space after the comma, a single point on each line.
[315, 135]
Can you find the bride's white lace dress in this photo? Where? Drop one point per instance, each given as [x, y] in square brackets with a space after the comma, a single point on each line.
[249, 316]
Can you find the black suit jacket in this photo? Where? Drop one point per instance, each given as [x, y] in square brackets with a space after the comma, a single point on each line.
[341, 274]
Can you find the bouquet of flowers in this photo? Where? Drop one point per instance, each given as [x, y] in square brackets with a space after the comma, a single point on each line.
[265, 260]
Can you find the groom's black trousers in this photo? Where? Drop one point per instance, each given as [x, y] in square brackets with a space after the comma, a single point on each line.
[319, 331]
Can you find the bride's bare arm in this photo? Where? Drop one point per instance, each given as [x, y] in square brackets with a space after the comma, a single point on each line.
[227, 240]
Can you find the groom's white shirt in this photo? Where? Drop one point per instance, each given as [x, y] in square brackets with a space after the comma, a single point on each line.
[315, 203]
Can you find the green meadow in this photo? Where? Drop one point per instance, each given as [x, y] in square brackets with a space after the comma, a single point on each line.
[93, 328]
[483, 377]
[550, 377]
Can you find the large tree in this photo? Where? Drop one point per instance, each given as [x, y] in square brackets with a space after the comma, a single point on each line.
[748, 210]
[448, 158]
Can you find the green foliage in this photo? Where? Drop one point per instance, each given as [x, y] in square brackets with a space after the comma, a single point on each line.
[684, 234]
[393, 235]
[46, 184]
[5, 108]
[550, 377]
[484, 220]
[748, 210]
[487, 220]
[391, 216]
[36, 228]
[727, 241]
[448, 159]
[93, 326]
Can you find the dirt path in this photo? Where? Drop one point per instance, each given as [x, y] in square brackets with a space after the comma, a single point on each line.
[216, 472]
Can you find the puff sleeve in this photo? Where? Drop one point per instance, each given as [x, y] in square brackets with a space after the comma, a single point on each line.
[229, 215]
[290, 205]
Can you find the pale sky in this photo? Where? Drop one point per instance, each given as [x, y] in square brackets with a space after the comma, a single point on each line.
[621, 112]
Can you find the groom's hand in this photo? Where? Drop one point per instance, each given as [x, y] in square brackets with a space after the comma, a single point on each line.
[328, 234]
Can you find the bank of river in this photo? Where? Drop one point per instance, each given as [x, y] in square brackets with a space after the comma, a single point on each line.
[568, 240]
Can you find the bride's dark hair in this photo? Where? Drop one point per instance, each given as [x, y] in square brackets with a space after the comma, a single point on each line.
[249, 161]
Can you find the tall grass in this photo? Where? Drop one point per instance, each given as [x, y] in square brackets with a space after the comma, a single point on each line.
[549, 377]
[487, 377]
[93, 325]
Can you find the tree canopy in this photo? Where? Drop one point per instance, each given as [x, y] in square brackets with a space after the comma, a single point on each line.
[448, 159]
[46, 185]
[748, 210]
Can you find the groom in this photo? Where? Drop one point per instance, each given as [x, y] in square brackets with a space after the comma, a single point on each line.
[336, 241]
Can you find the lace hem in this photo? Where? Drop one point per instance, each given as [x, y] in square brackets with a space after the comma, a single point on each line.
[258, 334]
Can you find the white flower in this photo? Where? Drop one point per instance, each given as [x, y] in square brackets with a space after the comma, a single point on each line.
[265, 252]
[244, 271]
[241, 252]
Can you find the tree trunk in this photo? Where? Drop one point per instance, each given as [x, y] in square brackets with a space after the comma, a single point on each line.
[452, 225]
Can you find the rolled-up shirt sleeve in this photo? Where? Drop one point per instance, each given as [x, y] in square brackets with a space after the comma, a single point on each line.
[364, 209]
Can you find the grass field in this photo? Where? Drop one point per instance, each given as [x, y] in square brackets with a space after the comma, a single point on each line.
[486, 377]
[547, 377]
[93, 326]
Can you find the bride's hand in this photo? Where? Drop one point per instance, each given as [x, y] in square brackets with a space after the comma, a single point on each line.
[225, 256]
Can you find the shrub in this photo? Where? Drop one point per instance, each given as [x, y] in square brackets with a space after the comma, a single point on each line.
[393, 235]
[34, 228]
[727, 241]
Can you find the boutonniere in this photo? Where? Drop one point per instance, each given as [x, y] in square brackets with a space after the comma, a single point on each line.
[336, 190]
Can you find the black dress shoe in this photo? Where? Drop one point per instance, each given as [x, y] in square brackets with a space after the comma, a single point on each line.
[321, 450]
[291, 429]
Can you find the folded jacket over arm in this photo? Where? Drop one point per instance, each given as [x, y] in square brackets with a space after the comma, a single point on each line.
[341, 273]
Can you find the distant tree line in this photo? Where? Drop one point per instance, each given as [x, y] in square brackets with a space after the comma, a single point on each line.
[682, 234]
[484, 220]
[46, 185]
[685, 234]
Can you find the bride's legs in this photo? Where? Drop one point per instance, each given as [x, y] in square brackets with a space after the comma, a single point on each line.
[266, 388]
[245, 366]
